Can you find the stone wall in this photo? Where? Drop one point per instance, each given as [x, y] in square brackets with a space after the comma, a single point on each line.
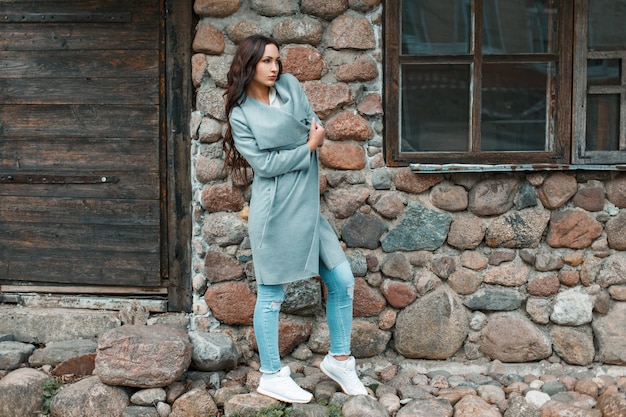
[518, 267]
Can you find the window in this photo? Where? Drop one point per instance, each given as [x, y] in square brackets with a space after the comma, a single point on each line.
[505, 82]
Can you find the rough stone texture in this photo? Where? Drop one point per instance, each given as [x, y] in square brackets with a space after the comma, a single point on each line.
[493, 196]
[449, 197]
[368, 302]
[348, 126]
[21, 392]
[557, 189]
[522, 229]
[142, 356]
[215, 8]
[301, 31]
[466, 232]
[220, 268]
[573, 344]
[342, 156]
[512, 338]
[89, 397]
[350, 32]
[305, 62]
[610, 332]
[433, 327]
[56, 352]
[325, 9]
[616, 232]
[616, 191]
[213, 351]
[572, 229]
[208, 40]
[231, 302]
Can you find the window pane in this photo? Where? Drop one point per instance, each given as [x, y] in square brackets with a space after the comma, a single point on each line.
[519, 26]
[435, 108]
[436, 26]
[514, 107]
[603, 72]
[606, 24]
[603, 122]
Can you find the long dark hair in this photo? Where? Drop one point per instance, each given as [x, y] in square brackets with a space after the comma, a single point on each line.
[242, 70]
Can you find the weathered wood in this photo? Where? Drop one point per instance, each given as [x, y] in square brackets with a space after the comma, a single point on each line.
[106, 155]
[78, 120]
[88, 267]
[178, 31]
[81, 63]
[122, 91]
[82, 289]
[97, 36]
[132, 185]
[92, 303]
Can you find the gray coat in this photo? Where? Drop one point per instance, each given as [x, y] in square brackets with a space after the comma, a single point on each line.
[288, 234]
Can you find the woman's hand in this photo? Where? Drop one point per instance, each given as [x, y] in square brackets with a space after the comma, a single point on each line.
[316, 135]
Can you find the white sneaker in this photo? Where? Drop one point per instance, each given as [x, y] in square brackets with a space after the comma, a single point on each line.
[343, 373]
[281, 387]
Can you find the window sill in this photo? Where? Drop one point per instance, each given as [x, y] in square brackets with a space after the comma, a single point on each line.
[446, 168]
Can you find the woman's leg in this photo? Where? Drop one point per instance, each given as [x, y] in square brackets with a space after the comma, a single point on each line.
[338, 364]
[340, 284]
[275, 381]
[266, 313]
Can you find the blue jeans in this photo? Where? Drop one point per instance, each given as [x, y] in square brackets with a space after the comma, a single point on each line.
[340, 284]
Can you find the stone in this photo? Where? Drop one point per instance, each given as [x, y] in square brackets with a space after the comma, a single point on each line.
[350, 32]
[572, 229]
[544, 285]
[224, 229]
[363, 406]
[539, 309]
[303, 297]
[590, 197]
[231, 302]
[142, 356]
[215, 8]
[363, 6]
[274, 7]
[89, 397]
[325, 98]
[13, 354]
[616, 190]
[209, 170]
[473, 260]
[398, 294]
[557, 189]
[222, 197]
[196, 402]
[517, 230]
[612, 405]
[362, 69]
[472, 405]
[242, 29]
[210, 101]
[558, 409]
[466, 232]
[510, 337]
[81, 365]
[510, 274]
[325, 9]
[344, 202]
[493, 298]
[406, 180]
[208, 40]
[368, 301]
[148, 396]
[199, 65]
[305, 30]
[348, 126]
[219, 267]
[419, 229]
[344, 156]
[56, 352]
[213, 351]
[449, 197]
[371, 105]
[493, 196]
[612, 270]
[388, 204]
[572, 307]
[616, 232]
[396, 265]
[21, 392]
[304, 62]
[464, 281]
[432, 327]
[248, 404]
[610, 334]
[519, 407]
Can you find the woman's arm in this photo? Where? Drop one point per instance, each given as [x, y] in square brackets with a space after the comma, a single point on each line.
[267, 163]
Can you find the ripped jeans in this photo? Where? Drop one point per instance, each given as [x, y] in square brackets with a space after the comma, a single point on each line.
[340, 284]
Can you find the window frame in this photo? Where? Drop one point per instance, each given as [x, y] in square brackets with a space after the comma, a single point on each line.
[569, 109]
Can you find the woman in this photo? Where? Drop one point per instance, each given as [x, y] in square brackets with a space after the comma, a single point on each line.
[272, 129]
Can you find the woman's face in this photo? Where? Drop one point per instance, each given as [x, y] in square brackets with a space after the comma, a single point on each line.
[267, 67]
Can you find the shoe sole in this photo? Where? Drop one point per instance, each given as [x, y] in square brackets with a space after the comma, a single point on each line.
[281, 398]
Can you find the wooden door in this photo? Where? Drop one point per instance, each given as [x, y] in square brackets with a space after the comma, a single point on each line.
[82, 187]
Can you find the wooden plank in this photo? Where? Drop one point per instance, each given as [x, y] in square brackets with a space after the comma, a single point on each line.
[81, 64]
[88, 267]
[177, 179]
[92, 303]
[81, 289]
[94, 36]
[79, 211]
[79, 155]
[78, 237]
[132, 185]
[121, 91]
[46, 121]
[70, 6]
